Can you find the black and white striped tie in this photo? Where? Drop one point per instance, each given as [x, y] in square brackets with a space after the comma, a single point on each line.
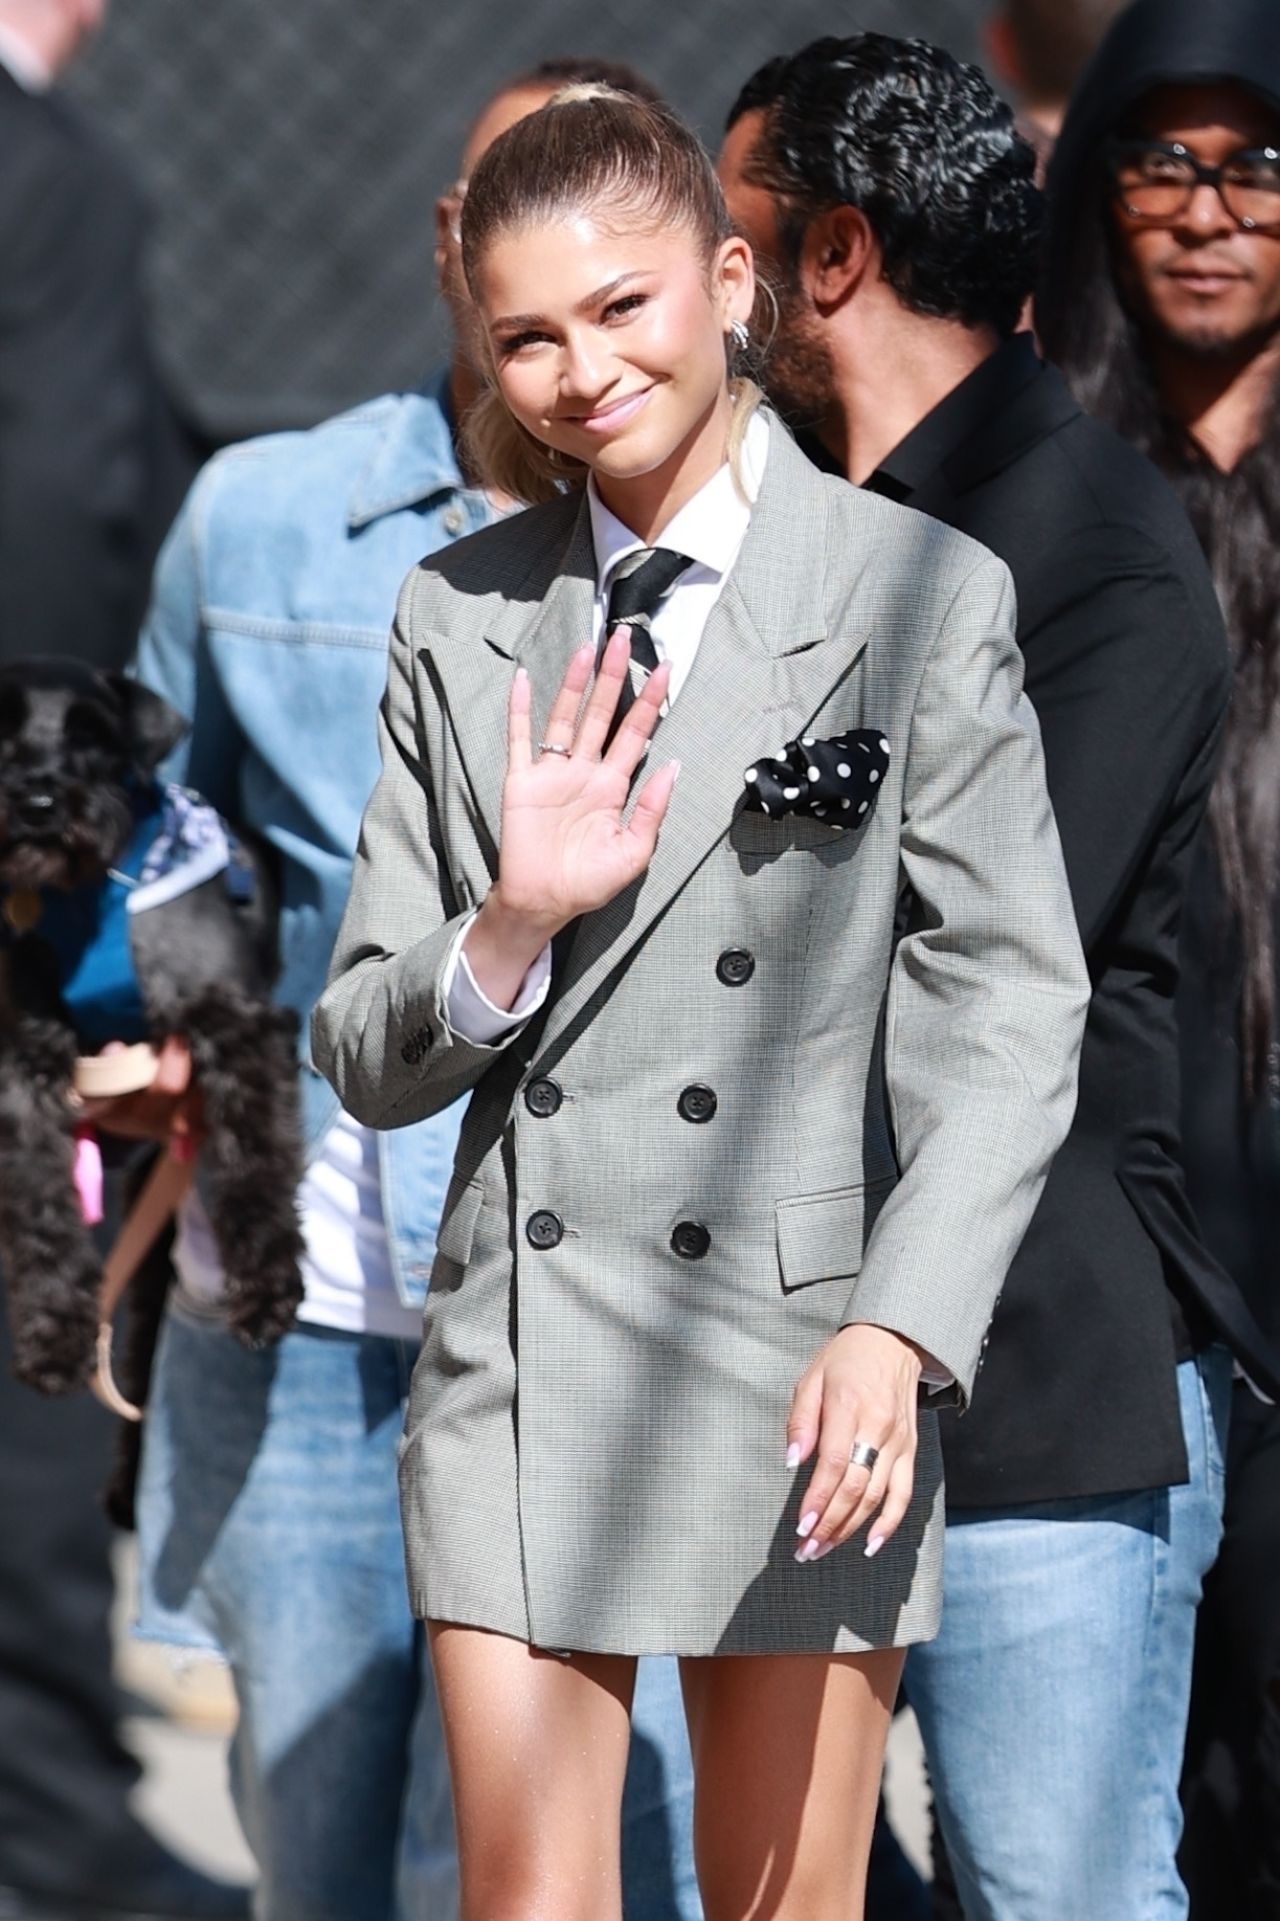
[641, 582]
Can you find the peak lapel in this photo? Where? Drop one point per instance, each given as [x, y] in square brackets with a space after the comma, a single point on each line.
[763, 668]
[539, 626]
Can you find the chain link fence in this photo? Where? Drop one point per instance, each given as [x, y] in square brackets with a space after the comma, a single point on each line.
[292, 150]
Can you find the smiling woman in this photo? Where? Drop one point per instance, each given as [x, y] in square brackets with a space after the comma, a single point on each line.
[593, 384]
[684, 1310]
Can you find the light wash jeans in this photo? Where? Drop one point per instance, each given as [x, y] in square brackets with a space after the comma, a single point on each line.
[269, 1527]
[1053, 1704]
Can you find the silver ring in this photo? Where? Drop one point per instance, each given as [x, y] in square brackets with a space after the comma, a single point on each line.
[550, 747]
[862, 1454]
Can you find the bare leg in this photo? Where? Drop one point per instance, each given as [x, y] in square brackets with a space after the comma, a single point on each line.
[538, 1753]
[788, 1751]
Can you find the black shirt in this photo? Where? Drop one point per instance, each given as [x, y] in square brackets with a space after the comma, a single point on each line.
[1126, 665]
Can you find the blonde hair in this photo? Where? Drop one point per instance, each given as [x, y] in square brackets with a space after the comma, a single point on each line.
[589, 144]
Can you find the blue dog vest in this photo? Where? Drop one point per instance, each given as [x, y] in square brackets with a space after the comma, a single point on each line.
[178, 842]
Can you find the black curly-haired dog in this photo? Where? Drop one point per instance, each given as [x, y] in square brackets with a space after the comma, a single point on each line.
[80, 810]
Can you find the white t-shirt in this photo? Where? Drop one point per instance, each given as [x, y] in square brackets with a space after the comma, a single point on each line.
[346, 1269]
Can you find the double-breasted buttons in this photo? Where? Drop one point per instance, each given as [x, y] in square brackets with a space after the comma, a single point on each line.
[544, 1229]
[543, 1097]
[690, 1240]
[697, 1103]
[417, 1047]
[735, 967]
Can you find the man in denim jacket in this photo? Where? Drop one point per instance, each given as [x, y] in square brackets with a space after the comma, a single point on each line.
[268, 1512]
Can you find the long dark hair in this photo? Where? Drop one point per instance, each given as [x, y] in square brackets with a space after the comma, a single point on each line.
[1085, 328]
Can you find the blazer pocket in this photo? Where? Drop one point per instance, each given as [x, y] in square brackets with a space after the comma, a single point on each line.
[821, 1236]
[756, 835]
[458, 1221]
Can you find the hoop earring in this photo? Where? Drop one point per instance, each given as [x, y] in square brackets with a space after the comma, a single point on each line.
[766, 293]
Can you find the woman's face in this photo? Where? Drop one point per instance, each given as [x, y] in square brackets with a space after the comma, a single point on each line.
[608, 342]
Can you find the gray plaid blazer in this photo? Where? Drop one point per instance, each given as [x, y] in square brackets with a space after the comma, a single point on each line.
[652, 1282]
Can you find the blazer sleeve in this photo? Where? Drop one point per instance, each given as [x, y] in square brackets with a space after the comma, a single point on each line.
[987, 993]
[380, 1032]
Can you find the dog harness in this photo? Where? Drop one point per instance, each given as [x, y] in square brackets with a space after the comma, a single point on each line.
[178, 843]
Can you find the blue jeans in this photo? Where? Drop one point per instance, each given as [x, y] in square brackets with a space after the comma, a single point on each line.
[269, 1528]
[1053, 1704]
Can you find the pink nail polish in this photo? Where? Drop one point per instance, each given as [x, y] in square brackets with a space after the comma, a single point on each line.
[808, 1552]
[808, 1523]
[824, 1550]
[874, 1546]
[793, 1454]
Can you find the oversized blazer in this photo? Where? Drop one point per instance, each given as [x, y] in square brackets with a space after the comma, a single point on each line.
[653, 1277]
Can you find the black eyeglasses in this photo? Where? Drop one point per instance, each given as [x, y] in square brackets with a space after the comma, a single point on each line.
[1154, 181]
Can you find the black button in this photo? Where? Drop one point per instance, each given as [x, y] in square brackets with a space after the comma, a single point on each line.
[417, 1047]
[697, 1103]
[544, 1229]
[690, 1240]
[735, 967]
[543, 1097]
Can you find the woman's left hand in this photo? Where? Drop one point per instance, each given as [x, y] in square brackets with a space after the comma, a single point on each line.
[861, 1388]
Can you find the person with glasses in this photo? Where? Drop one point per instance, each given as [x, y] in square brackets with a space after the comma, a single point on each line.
[1161, 303]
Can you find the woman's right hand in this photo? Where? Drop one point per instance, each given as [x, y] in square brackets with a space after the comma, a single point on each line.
[564, 848]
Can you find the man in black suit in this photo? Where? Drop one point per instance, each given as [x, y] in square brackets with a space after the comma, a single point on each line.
[888, 189]
[90, 467]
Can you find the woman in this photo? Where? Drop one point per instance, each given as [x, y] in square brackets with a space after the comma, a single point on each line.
[685, 1292]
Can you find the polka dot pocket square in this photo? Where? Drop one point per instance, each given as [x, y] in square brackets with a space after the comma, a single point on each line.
[836, 780]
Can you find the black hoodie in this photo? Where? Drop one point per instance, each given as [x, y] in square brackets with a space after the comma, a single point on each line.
[1155, 43]
[1231, 1150]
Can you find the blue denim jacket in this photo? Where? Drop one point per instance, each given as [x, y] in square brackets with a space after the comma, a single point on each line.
[271, 609]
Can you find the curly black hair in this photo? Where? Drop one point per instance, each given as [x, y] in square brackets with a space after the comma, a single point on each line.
[924, 147]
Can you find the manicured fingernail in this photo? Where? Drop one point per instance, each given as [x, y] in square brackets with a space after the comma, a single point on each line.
[793, 1454]
[824, 1550]
[808, 1552]
[874, 1545]
[808, 1523]
[675, 766]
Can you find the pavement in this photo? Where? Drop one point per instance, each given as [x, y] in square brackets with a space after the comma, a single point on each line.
[183, 1714]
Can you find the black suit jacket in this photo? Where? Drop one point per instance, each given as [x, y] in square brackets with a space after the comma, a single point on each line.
[92, 461]
[1127, 668]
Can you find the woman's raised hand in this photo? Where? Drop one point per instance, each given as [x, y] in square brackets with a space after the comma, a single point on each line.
[565, 849]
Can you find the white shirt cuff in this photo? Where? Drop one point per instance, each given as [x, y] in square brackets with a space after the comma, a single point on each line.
[935, 1378]
[472, 1015]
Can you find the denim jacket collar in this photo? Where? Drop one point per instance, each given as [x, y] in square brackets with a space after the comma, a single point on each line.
[414, 460]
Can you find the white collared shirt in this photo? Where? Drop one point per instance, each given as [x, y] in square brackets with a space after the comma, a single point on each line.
[22, 63]
[710, 529]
